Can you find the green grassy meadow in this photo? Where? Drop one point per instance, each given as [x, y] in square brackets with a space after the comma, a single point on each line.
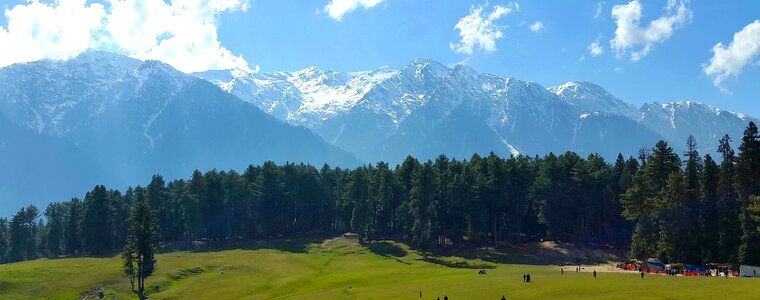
[341, 269]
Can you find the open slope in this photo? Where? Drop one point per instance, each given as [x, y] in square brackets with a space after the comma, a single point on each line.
[341, 269]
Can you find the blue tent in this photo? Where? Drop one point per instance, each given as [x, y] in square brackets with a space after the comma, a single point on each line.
[693, 268]
[654, 264]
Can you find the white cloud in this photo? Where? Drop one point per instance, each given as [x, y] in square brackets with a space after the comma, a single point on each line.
[338, 8]
[182, 33]
[599, 10]
[595, 49]
[730, 60]
[477, 30]
[36, 30]
[630, 35]
[537, 27]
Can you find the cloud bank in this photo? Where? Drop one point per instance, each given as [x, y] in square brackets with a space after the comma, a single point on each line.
[182, 33]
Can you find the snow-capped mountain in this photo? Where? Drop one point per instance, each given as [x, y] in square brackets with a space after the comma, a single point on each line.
[678, 119]
[590, 98]
[107, 119]
[426, 108]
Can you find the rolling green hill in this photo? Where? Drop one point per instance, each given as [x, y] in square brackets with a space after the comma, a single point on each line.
[341, 269]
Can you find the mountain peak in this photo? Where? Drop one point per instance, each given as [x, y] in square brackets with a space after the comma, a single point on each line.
[421, 66]
[591, 98]
[578, 88]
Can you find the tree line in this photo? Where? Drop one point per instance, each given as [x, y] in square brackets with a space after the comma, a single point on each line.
[676, 207]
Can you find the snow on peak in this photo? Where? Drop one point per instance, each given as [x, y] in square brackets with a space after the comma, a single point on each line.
[420, 67]
[311, 96]
[589, 97]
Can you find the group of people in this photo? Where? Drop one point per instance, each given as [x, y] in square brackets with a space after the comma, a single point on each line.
[577, 269]
[526, 278]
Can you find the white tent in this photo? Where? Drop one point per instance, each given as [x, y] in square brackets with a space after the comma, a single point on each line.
[750, 271]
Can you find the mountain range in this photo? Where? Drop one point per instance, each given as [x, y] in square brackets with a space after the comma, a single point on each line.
[103, 118]
[426, 108]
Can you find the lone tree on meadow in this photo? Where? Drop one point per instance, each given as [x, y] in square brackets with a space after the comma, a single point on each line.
[139, 252]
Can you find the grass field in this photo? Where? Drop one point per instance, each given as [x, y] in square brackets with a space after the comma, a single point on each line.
[341, 269]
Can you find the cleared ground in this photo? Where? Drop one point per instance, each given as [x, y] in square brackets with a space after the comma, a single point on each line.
[341, 269]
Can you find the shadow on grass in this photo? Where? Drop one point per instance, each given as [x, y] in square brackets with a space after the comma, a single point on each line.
[457, 264]
[384, 248]
[297, 244]
[492, 256]
[388, 250]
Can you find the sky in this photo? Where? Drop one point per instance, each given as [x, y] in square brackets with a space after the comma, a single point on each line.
[639, 50]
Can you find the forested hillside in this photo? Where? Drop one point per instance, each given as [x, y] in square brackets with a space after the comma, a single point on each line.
[677, 207]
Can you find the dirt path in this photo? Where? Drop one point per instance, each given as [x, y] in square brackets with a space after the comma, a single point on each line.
[602, 268]
[93, 294]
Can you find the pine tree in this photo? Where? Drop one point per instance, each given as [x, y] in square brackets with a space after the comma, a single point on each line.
[212, 205]
[754, 210]
[644, 202]
[32, 229]
[97, 230]
[122, 207]
[709, 218]
[4, 240]
[693, 206]
[728, 205]
[404, 177]
[747, 184]
[17, 237]
[55, 227]
[139, 253]
[23, 234]
[158, 197]
[357, 192]
[73, 232]
[382, 186]
[422, 205]
[269, 193]
[673, 244]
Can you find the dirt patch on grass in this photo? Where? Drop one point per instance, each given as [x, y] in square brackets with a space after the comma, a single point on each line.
[93, 294]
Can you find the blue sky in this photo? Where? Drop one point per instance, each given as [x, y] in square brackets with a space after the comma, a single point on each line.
[294, 34]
